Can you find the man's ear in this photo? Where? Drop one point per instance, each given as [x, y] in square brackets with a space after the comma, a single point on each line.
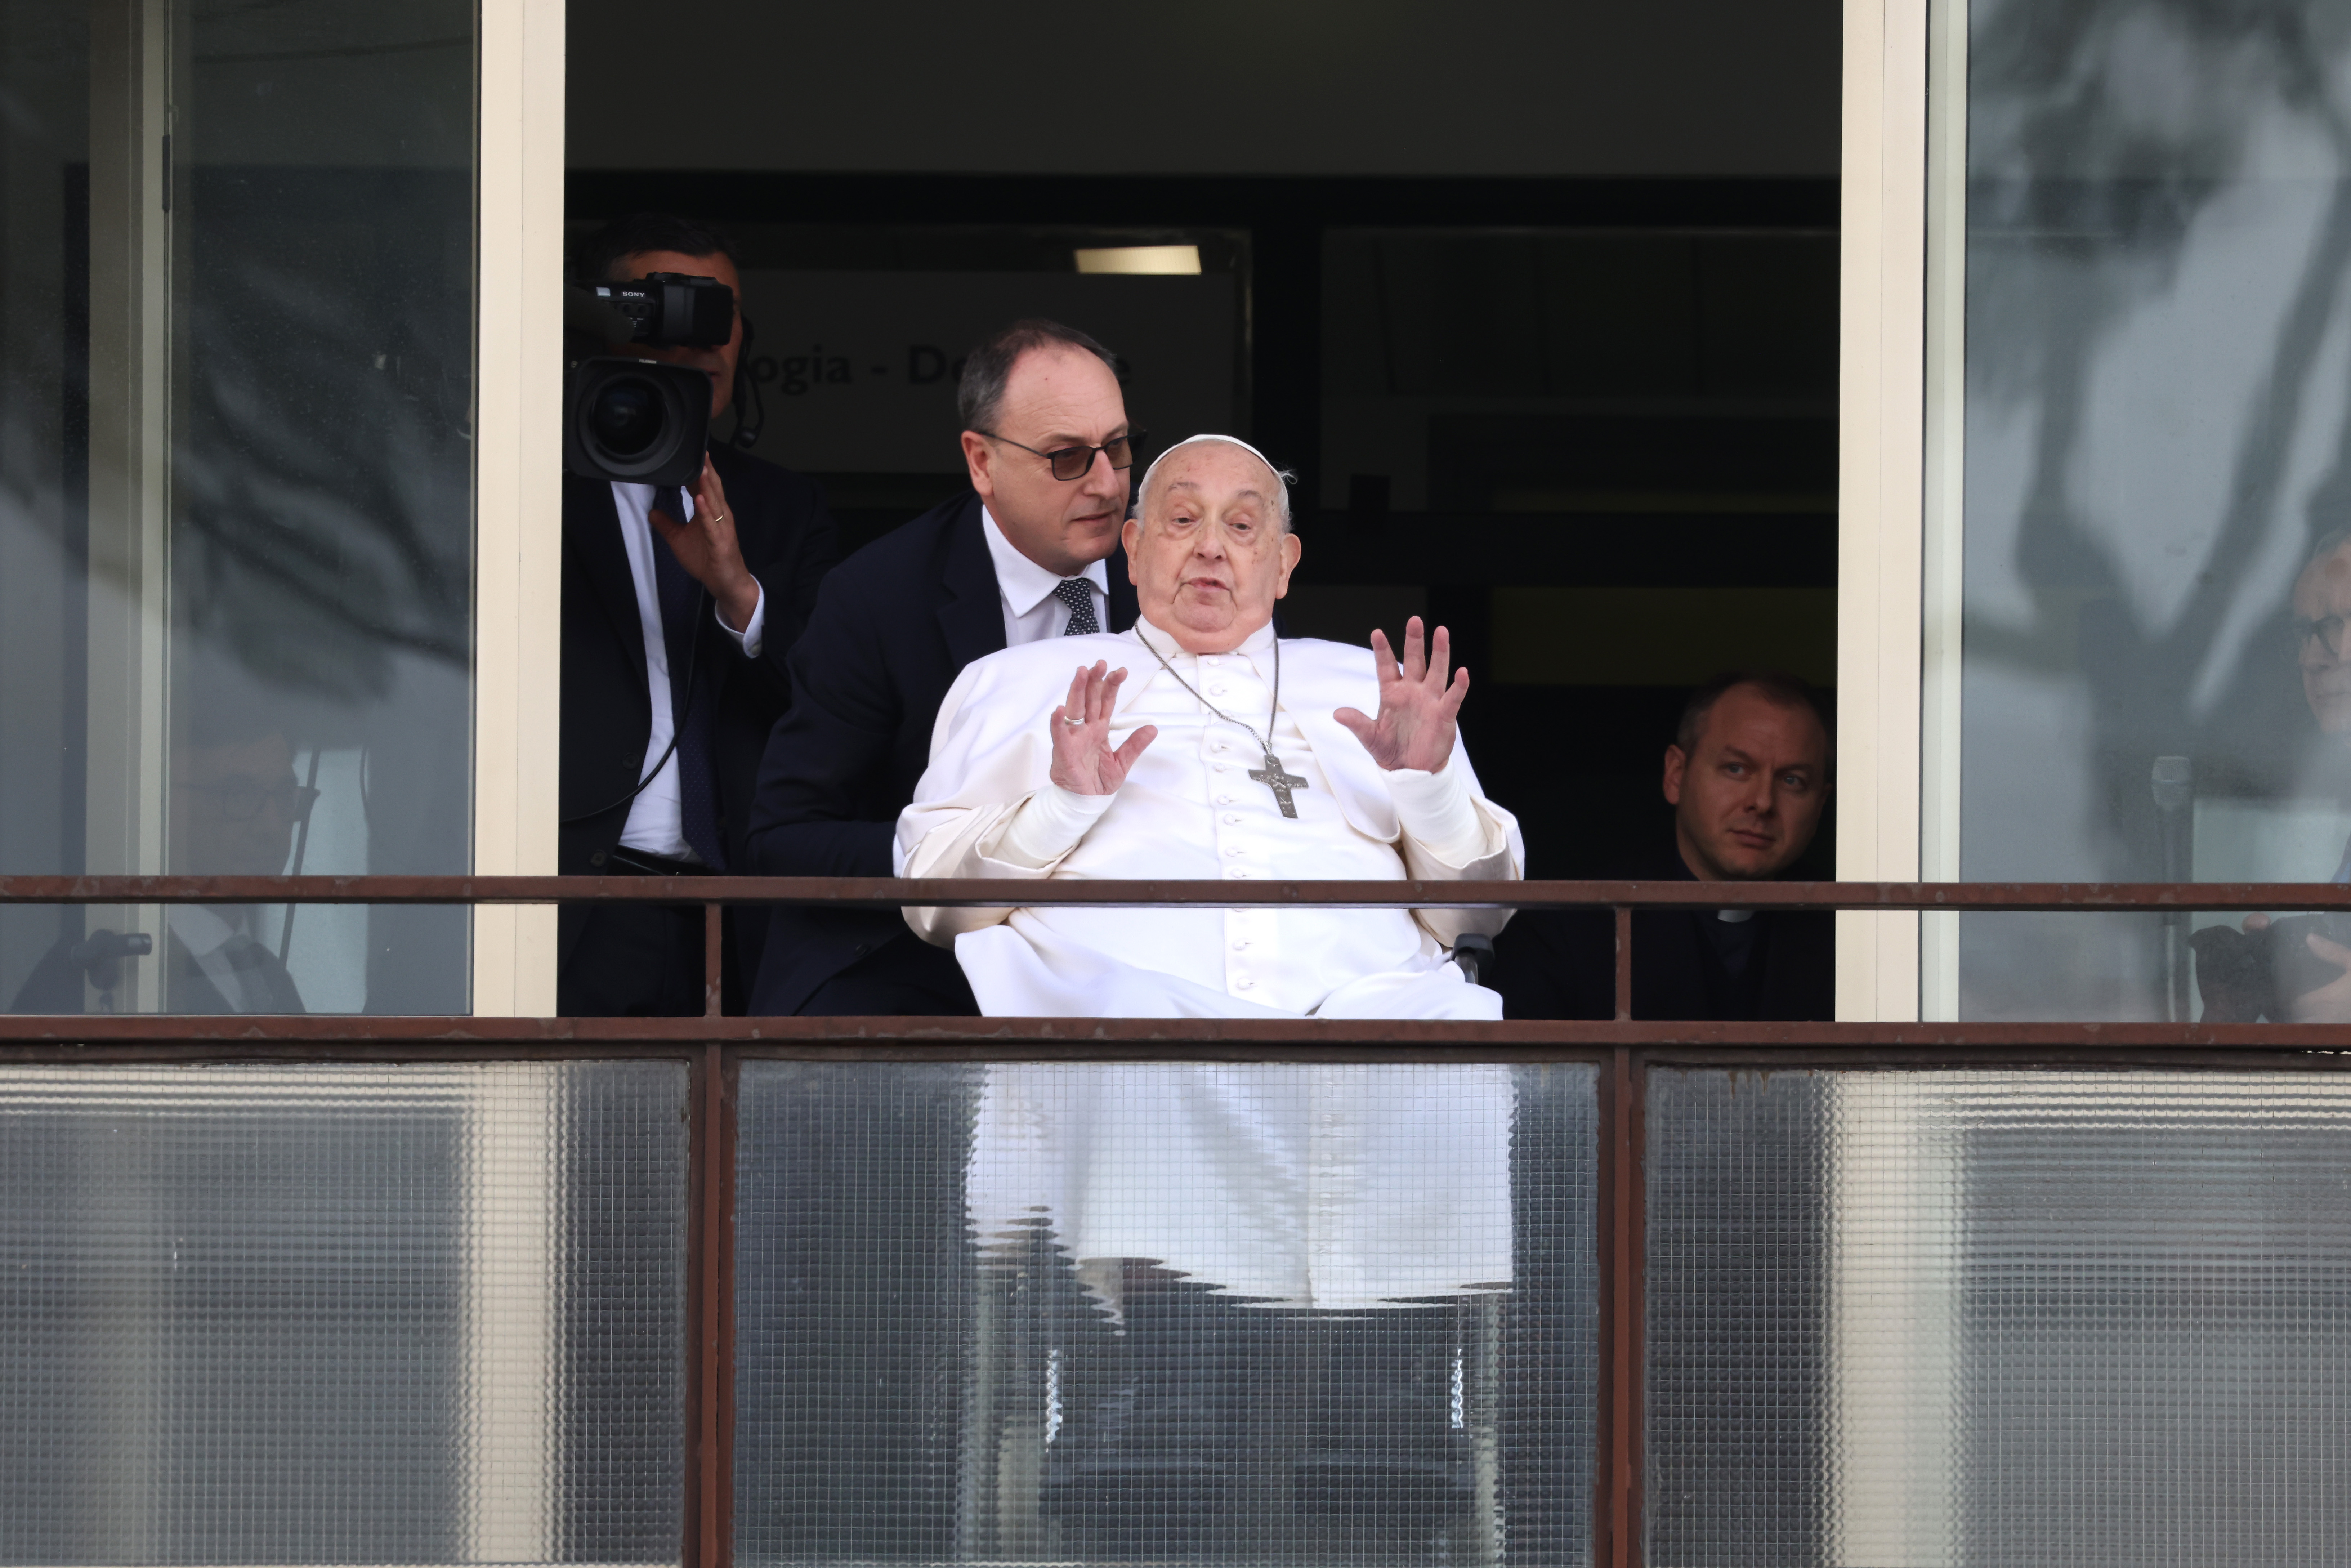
[1130, 534]
[1677, 764]
[978, 458]
[1292, 549]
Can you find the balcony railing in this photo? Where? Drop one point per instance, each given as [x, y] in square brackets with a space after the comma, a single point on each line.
[1625, 1055]
[1064, 1036]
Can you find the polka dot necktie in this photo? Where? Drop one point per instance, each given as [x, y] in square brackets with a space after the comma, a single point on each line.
[1078, 595]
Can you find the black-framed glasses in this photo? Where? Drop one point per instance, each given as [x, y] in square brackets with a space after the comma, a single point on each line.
[2329, 632]
[1077, 462]
[241, 800]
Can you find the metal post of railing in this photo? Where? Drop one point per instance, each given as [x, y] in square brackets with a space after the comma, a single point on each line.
[1623, 962]
[714, 958]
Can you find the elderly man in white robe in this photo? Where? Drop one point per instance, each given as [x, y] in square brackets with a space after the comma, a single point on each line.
[1198, 746]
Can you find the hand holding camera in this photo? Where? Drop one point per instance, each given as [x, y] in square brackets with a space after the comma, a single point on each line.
[705, 546]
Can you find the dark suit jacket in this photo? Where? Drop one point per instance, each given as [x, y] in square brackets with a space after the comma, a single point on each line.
[788, 541]
[55, 986]
[894, 625]
[1562, 964]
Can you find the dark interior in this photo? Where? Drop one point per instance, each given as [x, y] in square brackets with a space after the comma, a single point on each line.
[1542, 309]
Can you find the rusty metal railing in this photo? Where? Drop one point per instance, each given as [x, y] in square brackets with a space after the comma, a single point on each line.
[1624, 1049]
[1144, 1037]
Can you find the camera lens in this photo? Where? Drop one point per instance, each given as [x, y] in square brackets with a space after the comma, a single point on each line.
[626, 418]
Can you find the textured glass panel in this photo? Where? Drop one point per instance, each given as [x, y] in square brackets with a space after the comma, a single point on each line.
[341, 1314]
[1999, 1317]
[1232, 1313]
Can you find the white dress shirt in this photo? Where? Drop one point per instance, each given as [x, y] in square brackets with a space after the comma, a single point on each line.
[1031, 613]
[206, 936]
[656, 823]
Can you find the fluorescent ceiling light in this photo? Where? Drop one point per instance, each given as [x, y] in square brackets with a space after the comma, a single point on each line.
[1163, 260]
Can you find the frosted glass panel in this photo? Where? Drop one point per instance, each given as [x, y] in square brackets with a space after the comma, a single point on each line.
[1229, 1313]
[336, 1314]
[1990, 1318]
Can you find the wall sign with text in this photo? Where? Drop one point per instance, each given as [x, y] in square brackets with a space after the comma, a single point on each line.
[858, 370]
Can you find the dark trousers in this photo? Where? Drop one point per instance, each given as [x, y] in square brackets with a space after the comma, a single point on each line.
[635, 960]
[903, 978]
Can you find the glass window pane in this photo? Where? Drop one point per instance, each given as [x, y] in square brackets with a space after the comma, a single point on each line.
[2157, 345]
[236, 488]
[342, 1314]
[1259, 1313]
[1995, 1317]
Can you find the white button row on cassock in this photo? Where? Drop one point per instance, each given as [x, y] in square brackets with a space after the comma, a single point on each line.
[1230, 825]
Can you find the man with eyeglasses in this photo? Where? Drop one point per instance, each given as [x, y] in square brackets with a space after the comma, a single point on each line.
[1025, 556]
[2321, 610]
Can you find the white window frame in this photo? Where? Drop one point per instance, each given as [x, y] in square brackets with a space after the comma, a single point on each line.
[1883, 566]
[517, 492]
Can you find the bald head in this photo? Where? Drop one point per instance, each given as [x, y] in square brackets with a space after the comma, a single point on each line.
[1212, 550]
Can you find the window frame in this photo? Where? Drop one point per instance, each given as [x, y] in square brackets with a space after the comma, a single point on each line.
[518, 491]
[1882, 494]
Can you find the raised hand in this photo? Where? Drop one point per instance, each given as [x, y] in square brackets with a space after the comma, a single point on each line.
[706, 549]
[1417, 706]
[1084, 762]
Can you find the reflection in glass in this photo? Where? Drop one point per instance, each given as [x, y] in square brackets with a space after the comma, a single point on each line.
[236, 489]
[1218, 1312]
[342, 1314]
[2158, 352]
[1952, 1318]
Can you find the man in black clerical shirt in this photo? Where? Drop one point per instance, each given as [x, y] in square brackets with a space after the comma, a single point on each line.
[1031, 552]
[678, 610]
[1747, 775]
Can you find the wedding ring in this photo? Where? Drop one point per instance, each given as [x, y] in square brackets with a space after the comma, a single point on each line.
[1075, 722]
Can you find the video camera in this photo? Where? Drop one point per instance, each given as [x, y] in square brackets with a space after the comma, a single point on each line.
[640, 422]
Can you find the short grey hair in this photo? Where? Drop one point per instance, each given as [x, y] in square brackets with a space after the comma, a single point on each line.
[988, 370]
[1283, 478]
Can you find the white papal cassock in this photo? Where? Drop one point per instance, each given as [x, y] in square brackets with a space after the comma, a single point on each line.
[1330, 1188]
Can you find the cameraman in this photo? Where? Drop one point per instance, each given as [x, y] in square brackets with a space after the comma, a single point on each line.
[681, 603]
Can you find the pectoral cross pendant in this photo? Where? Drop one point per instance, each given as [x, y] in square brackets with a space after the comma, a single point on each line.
[1280, 783]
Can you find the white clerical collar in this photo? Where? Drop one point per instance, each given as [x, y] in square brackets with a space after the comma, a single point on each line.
[1257, 645]
[1024, 584]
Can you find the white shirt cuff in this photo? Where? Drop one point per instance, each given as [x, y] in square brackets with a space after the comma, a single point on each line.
[748, 639]
[1436, 810]
[1049, 825]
